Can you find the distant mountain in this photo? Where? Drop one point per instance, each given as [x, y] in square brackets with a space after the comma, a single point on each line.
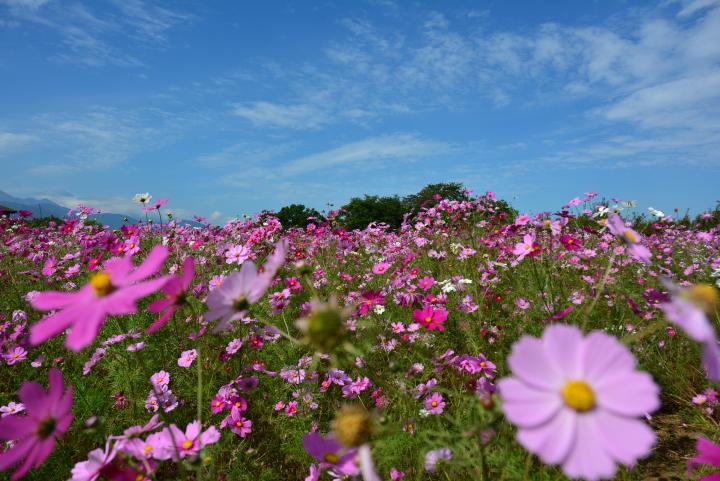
[47, 208]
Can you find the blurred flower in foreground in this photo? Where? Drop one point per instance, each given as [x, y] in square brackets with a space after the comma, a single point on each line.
[691, 308]
[114, 290]
[708, 453]
[48, 417]
[231, 300]
[575, 401]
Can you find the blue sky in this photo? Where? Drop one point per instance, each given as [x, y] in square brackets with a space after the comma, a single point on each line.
[232, 107]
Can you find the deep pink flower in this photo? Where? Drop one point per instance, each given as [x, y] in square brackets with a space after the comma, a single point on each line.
[48, 417]
[231, 300]
[112, 291]
[370, 300]
[708, 453]
[380, 268]
[431, 318]
[570, 243]
[176, 290]
[576, 401]
[238, 424]
[426, 283]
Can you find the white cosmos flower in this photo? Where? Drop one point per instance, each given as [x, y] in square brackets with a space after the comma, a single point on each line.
[142, 198]
[657, 213]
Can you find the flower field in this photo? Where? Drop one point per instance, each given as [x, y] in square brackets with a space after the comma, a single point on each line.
[471, 343]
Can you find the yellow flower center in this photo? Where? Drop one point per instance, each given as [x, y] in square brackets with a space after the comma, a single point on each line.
[631, 237]
[332, 458]
[703, 296]
[578, 395]
[434, 403]
[187, 444]
[101, 284]
[428, 319]
[147, 449]
[238, 424]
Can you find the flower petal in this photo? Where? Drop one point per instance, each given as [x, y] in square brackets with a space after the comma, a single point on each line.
[564, 346]
[625, 439]
[527, 406]
[553, 440]
[529, 361]
[588, 458]
[630, 394]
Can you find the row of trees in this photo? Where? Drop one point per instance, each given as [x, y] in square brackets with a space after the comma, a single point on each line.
[361, 211]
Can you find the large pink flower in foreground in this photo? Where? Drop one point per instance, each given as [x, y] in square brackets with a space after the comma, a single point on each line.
[114, 290]
[175, 290]
[48, 417]
[231, 300]
[576, 401]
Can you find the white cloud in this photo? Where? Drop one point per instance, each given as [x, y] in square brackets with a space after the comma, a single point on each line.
[10, 141]
[298, 116]
[244, 153]
[384, 148]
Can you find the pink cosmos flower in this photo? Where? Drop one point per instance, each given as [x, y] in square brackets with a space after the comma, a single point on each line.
[11, 409]
[15, 354]
[434, 403]
[689, 308]
[380, 268]
[331, 454]
[431, 318]
[92, 469]
[112, 291]
[48, 417]
[576, 401]
[708, 453]
[636, 250]
[160, 379]
[230, 300]
[176, 290]
[526, 247]
[370, 300]
[426, 283]
[238, 424]
[156, 205]
[187, 357]
[237, 254]
[187, 443]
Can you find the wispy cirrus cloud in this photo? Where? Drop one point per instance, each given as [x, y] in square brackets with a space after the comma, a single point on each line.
[294, 116]
[89, 35]
[12, 141]
[385, 148]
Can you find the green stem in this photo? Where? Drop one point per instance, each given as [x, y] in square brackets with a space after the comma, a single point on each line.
[598, 293]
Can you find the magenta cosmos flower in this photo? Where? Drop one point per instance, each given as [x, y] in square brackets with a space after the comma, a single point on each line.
[48, 417]
[114, 290]
[331, 454]
[430, 318]
[575, 401]
[231, 300]
[708, 453]
[175, 290]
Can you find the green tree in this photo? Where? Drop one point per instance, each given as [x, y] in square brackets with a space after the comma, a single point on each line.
[431, 194]
[297, 215]
[360, 212]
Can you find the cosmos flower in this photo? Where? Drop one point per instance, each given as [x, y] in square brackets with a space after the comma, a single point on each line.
[48, 417]
[11, 408]
[431, 318]
[576, 401]
[181, 444]
[434, 403]
[231, 300]
[176, 291]
[156, 206]
[708, 453]
[187, 357]
[432, 458]
[331, 454]
[690, 309]
[114, 290]
[636, 250]
[142, 198]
